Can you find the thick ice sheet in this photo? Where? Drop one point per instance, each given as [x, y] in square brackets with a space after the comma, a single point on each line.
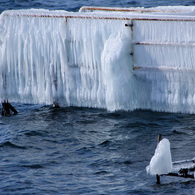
[80, 62]
[83, 59]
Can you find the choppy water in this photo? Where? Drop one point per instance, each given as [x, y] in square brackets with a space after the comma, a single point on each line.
[74, 5]
[89, 151]
[82, 150]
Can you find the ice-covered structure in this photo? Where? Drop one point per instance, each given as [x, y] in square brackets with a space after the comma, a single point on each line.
[161, 162]
[100, 57]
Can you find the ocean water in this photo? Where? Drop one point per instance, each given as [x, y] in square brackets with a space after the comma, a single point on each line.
[76, 4]
[89, 151]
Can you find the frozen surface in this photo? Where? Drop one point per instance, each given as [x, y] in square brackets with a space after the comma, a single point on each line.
[83, 59]
[185, 164]
[161, 162]
[178, 10]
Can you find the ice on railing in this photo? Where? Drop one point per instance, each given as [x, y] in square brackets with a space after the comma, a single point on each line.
[184, 164]
[80, 62]
[177, 10]
[164, 44]
[83, 59]
[161, 162]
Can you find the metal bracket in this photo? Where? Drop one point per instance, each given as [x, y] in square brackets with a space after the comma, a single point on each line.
[129, 25]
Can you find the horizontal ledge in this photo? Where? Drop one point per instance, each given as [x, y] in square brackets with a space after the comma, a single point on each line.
[100, 17]
[142, 10]
[67, 16]
[178, 175]
[166, 44]
[140, 68]
[166, 19]
[184, 162]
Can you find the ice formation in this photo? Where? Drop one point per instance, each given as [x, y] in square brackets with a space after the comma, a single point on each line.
[184, 164]
[161, 162]
[83, 59]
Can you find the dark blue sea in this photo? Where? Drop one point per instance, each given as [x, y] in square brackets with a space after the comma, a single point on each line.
[73, 150]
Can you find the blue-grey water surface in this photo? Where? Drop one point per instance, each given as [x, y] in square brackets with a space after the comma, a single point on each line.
[89, 151]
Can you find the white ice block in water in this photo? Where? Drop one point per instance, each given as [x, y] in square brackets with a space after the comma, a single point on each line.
[161, 162]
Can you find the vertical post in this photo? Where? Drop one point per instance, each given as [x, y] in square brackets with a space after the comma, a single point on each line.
[158, 176]
[131, 53]
[66, 20]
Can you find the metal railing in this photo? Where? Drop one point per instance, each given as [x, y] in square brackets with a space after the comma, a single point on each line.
[139, 9]
[150, 43]
[130, 23]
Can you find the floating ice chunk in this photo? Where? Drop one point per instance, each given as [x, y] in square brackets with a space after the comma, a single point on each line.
[161, 162]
